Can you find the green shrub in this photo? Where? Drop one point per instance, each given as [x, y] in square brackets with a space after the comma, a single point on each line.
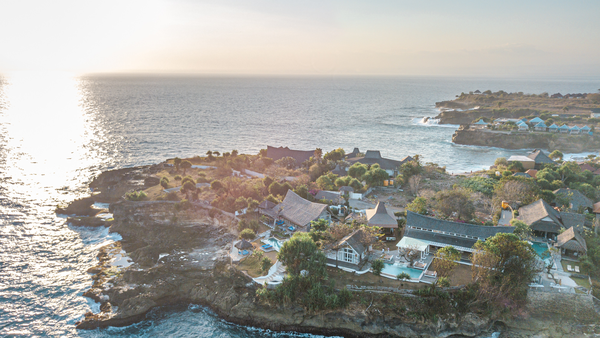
[136, 196]
[377, 266]
[172, 196]
[164, 182]
[247, 234]
[265, 264]
[403, 276]
[178, 178]
[479, 184]
[443, 282]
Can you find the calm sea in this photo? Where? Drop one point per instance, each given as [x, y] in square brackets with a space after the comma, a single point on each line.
[58, 131]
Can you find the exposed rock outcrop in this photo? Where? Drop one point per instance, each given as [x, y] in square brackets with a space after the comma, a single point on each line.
[111, 185]
[527, 140]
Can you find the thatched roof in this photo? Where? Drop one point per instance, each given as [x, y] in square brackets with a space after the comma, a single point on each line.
[298, 210]
[538, 211]
[243, 245]
[380, 217]
[571, 240]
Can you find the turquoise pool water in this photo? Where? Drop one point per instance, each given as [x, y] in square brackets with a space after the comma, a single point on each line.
[275, 243]
[542, 250]
[396, 270]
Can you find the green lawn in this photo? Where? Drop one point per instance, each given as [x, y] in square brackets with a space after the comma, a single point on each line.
[572, 264]
[584, 282]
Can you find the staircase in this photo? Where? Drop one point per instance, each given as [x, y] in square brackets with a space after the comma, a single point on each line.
[276, 270]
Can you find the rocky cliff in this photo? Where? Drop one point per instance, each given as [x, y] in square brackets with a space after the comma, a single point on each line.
[526, 140]
[181, 256]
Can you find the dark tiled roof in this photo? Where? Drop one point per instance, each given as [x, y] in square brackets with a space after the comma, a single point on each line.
[353, 153]
[430, 223]
[380, 217]
[440, 238]
[266, 204]
[374, 156]
[571, 240]
[578, 199]
[356, 240]
[299, 155]
[539, 157]
[298, 210]
[327, 195]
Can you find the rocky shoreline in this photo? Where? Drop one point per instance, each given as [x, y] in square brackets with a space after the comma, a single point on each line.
[525, 140]
[181, 256]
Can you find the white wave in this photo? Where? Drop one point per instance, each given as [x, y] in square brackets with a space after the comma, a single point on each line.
[432, 122]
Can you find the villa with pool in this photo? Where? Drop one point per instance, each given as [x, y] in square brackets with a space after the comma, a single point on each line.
[294, 213]
[427, 234]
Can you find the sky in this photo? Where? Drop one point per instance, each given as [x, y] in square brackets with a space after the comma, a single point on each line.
[417, 38]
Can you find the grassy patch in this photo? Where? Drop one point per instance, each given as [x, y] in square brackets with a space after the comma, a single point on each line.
[572, 264]
[583, 282]
[343, 278]
[252, 266]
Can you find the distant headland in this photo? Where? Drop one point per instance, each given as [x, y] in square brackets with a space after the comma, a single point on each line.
[517, 120]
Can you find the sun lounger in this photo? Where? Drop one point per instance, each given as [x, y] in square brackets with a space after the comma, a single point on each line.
[569, 268]
[419, 265]
[576, 268]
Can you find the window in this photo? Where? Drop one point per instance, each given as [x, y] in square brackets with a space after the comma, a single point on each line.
[348, 255]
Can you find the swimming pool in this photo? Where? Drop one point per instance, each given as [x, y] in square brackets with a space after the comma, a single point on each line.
[274, 242]
[542, 251]
[394, 270]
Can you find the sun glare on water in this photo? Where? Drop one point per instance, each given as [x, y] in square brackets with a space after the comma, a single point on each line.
[46, 132]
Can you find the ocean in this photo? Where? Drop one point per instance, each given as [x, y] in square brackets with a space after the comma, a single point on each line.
[57, 131]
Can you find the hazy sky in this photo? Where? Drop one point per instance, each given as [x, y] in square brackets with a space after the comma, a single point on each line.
[499, 38]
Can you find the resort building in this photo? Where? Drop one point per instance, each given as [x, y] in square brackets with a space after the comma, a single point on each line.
[527, 162]
[522, 126]
[299, 155]
[585, 129]
[333, 197]
[427, 234]
[531, 172]
[577, 199]
[564, 129]
[535, 121]
[296, 213]
[553, 128]
[575, 130]
[374, 157]
[350, 251]
[540, 126]
[540, 158]
[571, 243]
[546, 222]
[380, 217]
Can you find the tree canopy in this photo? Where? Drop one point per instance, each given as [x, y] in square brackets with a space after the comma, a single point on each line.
[504, 266]
[419, 205]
